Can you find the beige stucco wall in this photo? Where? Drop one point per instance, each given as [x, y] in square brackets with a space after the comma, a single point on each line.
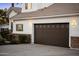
[28, 24]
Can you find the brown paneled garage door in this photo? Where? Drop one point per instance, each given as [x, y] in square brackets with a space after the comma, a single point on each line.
[56, 34]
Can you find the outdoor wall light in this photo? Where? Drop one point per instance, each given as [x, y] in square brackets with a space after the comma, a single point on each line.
[73, 22]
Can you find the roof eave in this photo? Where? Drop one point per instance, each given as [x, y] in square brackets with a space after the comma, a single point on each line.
[44, 17]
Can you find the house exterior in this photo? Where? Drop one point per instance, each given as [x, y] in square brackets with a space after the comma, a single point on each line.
[50, 24]
[12, 11]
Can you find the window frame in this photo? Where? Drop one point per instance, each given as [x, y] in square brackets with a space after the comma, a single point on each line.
[17, 27]
[28, 5]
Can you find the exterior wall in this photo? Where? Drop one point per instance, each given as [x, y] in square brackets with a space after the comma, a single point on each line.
[75, 31]
[35, 6]
[28, 26]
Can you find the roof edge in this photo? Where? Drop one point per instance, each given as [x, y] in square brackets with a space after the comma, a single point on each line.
[44, 17]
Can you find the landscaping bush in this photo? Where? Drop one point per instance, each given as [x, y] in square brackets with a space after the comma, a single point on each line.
[4, 36]
[20, 39]
[4, 33]
[2, 40]
[15, 39]
[24, 38]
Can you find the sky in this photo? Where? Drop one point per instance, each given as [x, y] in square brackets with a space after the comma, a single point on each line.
[8, 5]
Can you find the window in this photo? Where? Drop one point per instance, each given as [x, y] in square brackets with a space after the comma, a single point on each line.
[28, 5]
[19, 27]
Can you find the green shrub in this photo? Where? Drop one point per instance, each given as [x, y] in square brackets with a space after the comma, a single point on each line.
[5, 33]
[2, 40]
[24, 38]
[15, 39]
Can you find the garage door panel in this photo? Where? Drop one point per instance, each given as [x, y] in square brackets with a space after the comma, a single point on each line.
[52, 34]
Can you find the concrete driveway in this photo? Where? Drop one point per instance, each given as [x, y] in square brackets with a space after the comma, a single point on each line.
[36, 50]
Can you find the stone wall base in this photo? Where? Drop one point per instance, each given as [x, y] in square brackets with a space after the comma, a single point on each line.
[75, 42]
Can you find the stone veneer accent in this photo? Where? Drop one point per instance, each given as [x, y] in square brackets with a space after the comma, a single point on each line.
[75, 42]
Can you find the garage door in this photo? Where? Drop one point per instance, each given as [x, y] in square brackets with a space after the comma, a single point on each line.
[56, 34]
